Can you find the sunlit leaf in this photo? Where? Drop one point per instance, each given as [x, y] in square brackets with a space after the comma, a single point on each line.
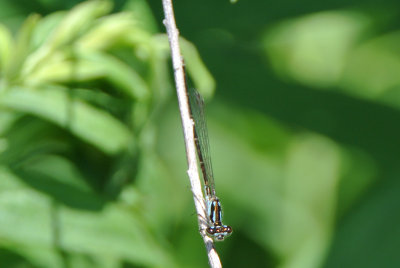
[22, 47]
[313, 49]
[59, 70]
[67, 31]
[88, 123]
[5, 46]
[109, 31]
[373, 68]
[77, 20]
[46, 26]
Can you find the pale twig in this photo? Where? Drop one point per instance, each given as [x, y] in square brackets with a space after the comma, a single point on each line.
[188, 133]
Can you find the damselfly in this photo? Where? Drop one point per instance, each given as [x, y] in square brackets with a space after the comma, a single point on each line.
[216, 229]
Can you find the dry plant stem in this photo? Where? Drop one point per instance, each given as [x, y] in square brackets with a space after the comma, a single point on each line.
[188, 126]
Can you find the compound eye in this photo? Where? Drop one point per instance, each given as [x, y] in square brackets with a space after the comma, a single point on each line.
[211, 230]
[228, 229]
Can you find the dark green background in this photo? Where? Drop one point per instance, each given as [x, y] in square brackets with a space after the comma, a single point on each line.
[306, 164]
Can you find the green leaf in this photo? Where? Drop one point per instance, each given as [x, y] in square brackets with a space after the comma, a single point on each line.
[29, 136]
[86, 122]
[60, 68]
[46, 26]
[109, 31]
[313, 49]
[57, 168]
[308, 201]
[59, 178]
[89, 65]
[7, 119]
[143, 13]
[77, 21]
[119, 74]
[382, 58]
[359, 173]
[6, 42]
[202, 78]
[73, 24]
[114, 232]
[22, 47]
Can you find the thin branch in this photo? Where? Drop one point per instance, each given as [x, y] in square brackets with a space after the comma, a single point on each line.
[188, 133]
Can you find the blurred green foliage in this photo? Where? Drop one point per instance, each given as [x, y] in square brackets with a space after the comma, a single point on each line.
[303, 133]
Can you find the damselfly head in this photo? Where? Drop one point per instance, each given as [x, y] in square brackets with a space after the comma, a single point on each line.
[218, 233]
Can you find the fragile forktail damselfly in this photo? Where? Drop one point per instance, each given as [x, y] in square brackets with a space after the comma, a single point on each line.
[216, 229]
